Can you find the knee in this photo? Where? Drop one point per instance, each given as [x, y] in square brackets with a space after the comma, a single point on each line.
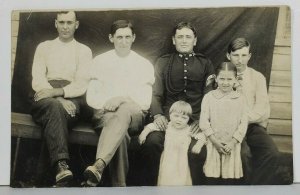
[245, 151]
[122, 114]
[49, 106]
[154, 143]
[273, 155]
[52, 104]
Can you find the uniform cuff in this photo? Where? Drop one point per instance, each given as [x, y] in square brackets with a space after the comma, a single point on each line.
[200, 137]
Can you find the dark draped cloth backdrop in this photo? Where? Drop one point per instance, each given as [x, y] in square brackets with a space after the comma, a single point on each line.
[216, 27]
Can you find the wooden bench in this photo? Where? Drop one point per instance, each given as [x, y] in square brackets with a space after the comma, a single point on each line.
[22, 126]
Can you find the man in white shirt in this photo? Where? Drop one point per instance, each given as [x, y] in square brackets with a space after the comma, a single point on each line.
[120, 92]
[58, 71]
[253, 86]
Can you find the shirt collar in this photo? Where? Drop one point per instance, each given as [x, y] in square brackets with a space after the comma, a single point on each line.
[63, 43]
[244, 72]
[219, 94]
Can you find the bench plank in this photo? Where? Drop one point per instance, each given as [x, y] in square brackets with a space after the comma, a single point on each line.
[23, 126]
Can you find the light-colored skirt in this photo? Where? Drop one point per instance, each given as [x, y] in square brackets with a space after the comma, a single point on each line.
[224, 166]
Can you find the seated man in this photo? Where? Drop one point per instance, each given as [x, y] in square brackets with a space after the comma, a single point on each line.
[253, 86]
[184, 75]
[120, 92]
[58, 68]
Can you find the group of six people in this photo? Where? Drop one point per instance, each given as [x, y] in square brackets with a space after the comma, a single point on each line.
[200, 115]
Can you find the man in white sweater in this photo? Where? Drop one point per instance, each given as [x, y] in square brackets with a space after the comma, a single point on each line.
[120, 93]
[58, 71]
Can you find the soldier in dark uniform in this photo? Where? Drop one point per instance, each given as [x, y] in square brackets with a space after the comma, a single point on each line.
[183, 75]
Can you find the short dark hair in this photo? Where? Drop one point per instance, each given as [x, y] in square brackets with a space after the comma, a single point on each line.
[121, 24]
[65, 12]
[182, 25]
[238, 43]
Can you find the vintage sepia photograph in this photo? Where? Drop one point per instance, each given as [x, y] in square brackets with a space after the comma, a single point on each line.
[151, 97]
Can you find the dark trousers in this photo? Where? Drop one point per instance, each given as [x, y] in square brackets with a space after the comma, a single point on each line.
[150, 157]
[55, 122]
[265, 155]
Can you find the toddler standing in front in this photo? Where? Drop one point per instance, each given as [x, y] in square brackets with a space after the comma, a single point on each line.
[174, 167]
[223, 120]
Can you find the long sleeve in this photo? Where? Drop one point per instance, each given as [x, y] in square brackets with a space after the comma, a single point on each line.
[204, 122]
[94, 94]
[143, 93]
[158, 88]
[39, 69]
[261, 108]
[79, 85]
[240, 133]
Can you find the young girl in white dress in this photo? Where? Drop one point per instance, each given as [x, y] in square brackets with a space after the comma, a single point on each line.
[223, 120]
[174, 167]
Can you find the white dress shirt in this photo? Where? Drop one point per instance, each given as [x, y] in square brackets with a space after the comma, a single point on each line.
[56, 60]
[112, 76]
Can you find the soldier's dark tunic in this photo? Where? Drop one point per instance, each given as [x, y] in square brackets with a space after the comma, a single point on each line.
[177, 77]
[180, 77]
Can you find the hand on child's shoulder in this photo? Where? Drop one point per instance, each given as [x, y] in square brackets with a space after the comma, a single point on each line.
[142, 137]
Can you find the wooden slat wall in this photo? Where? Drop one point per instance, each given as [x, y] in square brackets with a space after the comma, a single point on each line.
[280, 89]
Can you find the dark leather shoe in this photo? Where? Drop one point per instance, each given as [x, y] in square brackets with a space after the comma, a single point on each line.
[63, 174]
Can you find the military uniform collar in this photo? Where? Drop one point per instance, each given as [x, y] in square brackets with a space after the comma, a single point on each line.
[186, 55]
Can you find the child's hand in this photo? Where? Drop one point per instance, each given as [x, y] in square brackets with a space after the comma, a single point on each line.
[230, 145]
[220, 147]
[217, 144]
[227, 148]
[197, 147]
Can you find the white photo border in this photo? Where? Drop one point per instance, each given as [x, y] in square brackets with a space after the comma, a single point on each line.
[6, 7]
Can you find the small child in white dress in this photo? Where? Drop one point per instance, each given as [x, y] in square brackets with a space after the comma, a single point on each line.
[223, 120]
[174, 167]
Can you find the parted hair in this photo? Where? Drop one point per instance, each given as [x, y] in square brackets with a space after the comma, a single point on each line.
[228, 66]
